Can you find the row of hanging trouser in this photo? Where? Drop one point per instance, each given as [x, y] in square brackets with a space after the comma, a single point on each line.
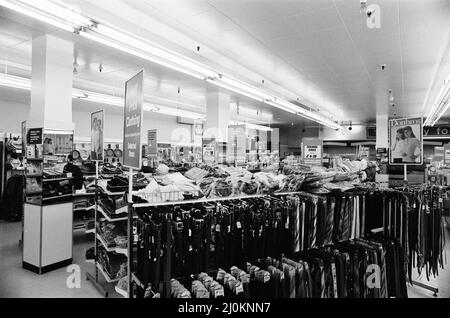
[236, 231]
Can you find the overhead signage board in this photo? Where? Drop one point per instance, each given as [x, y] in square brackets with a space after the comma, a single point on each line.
[406, 141]
[312, 151]
[133, 116]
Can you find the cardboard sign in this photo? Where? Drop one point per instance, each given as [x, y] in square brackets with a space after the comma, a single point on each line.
[312, 151]
[152, 148]
[34, 136]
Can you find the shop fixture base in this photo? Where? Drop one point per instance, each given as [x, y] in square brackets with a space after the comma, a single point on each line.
[97, 285]
[46, 269]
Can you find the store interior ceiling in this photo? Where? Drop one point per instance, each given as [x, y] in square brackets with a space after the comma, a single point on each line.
[317, 53]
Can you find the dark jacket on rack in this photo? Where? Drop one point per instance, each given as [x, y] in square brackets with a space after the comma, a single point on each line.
[11, 206]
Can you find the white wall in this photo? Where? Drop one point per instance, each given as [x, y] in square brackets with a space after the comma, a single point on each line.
[12, 114]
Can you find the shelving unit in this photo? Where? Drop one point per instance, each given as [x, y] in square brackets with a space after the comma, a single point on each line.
[100, 214]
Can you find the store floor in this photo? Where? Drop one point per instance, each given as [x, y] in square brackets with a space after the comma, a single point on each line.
[18, 282]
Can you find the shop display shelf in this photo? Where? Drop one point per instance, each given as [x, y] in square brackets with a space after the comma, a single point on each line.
[117, 250]
[56, 179]
[121, 292]
[33, 192]
[34, 175]
[137, 281]
[57, 197]
[108, 218]
[90, 231]
[90, 261]
[92, 207]
[107, 278]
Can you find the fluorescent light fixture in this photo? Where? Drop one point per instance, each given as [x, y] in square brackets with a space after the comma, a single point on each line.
[441, 104]
[59, 15]
[15, 82]
[31, 12]
[250, 126]
[172, 111]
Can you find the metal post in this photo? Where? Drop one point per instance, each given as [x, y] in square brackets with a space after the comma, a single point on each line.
[129, 230]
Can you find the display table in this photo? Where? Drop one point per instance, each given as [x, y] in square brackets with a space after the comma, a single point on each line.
[48, 236]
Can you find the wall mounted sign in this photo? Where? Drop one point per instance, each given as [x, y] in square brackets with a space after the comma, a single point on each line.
[134, 102]
[406, 141]
[439, 131]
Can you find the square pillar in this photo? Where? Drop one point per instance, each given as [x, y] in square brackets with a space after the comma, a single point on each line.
[217, 116]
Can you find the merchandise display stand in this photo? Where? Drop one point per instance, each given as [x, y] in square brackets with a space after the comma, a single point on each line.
[98, 240]
[48, 211]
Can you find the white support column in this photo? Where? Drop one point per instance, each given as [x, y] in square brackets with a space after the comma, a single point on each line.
[51, 92]
[217, 116]
[382, 109]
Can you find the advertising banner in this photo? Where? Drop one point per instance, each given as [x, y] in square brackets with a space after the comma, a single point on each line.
[363, 152]
[152, 139]
[134, 102]
[312, 151]
[406, 141]
[34, 136]
[97, 127]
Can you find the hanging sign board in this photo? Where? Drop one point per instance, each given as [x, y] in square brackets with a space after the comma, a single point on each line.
[209, 150]
[34, 136]
[97, 127]
[363, 152]
[406, 141]
[133, 116]
[312, 151]
[447, 154]
[152, 148]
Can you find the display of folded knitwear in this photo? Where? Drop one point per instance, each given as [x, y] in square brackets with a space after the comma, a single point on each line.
[120, 183]
[111, 204]
[57, 188]
[109, 169]
[113, 234]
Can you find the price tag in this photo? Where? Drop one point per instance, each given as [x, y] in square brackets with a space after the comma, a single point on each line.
[69, 174]
[238, 225]
[239, 288]
[218, 292]
[190, 233]
[190, 248]
[217, 228]
[229, 228]
[441, 200]
[220, 275]
[266, 277]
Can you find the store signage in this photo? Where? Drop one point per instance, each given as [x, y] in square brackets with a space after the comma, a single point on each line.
[312, 151]
[441, 131]
[152, 148]
[363, 152]
[209, 150]
[34, 136]
[134, 101]
[447, 154]
[97, 127]
[406, 141]
[237, 143]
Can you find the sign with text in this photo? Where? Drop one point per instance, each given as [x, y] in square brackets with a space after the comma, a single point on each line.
[209, 150]
[312, 151]
[436, 132]
[34, 136]
[152, 139]
[447, 154]
[134, 102]
[97, 126]
[405, 141]
[363, 152]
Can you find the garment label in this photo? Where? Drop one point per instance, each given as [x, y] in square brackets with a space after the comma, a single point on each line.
[217, 228]
[229, 228]
[218, 292]
[266, 277]
[220, 275]
[239, 288]
[190, 233]
[238, 225]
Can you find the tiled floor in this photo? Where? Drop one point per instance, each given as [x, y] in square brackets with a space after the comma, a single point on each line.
[18, 282]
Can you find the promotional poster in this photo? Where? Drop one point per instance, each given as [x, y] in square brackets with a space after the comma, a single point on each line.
[405, 141]
[97, 125]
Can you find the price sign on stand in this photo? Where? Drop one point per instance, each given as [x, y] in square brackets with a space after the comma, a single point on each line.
[312, 151]
[152, 150]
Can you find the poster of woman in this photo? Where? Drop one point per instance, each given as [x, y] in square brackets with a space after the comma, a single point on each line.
[97, 122]
[406, 141]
